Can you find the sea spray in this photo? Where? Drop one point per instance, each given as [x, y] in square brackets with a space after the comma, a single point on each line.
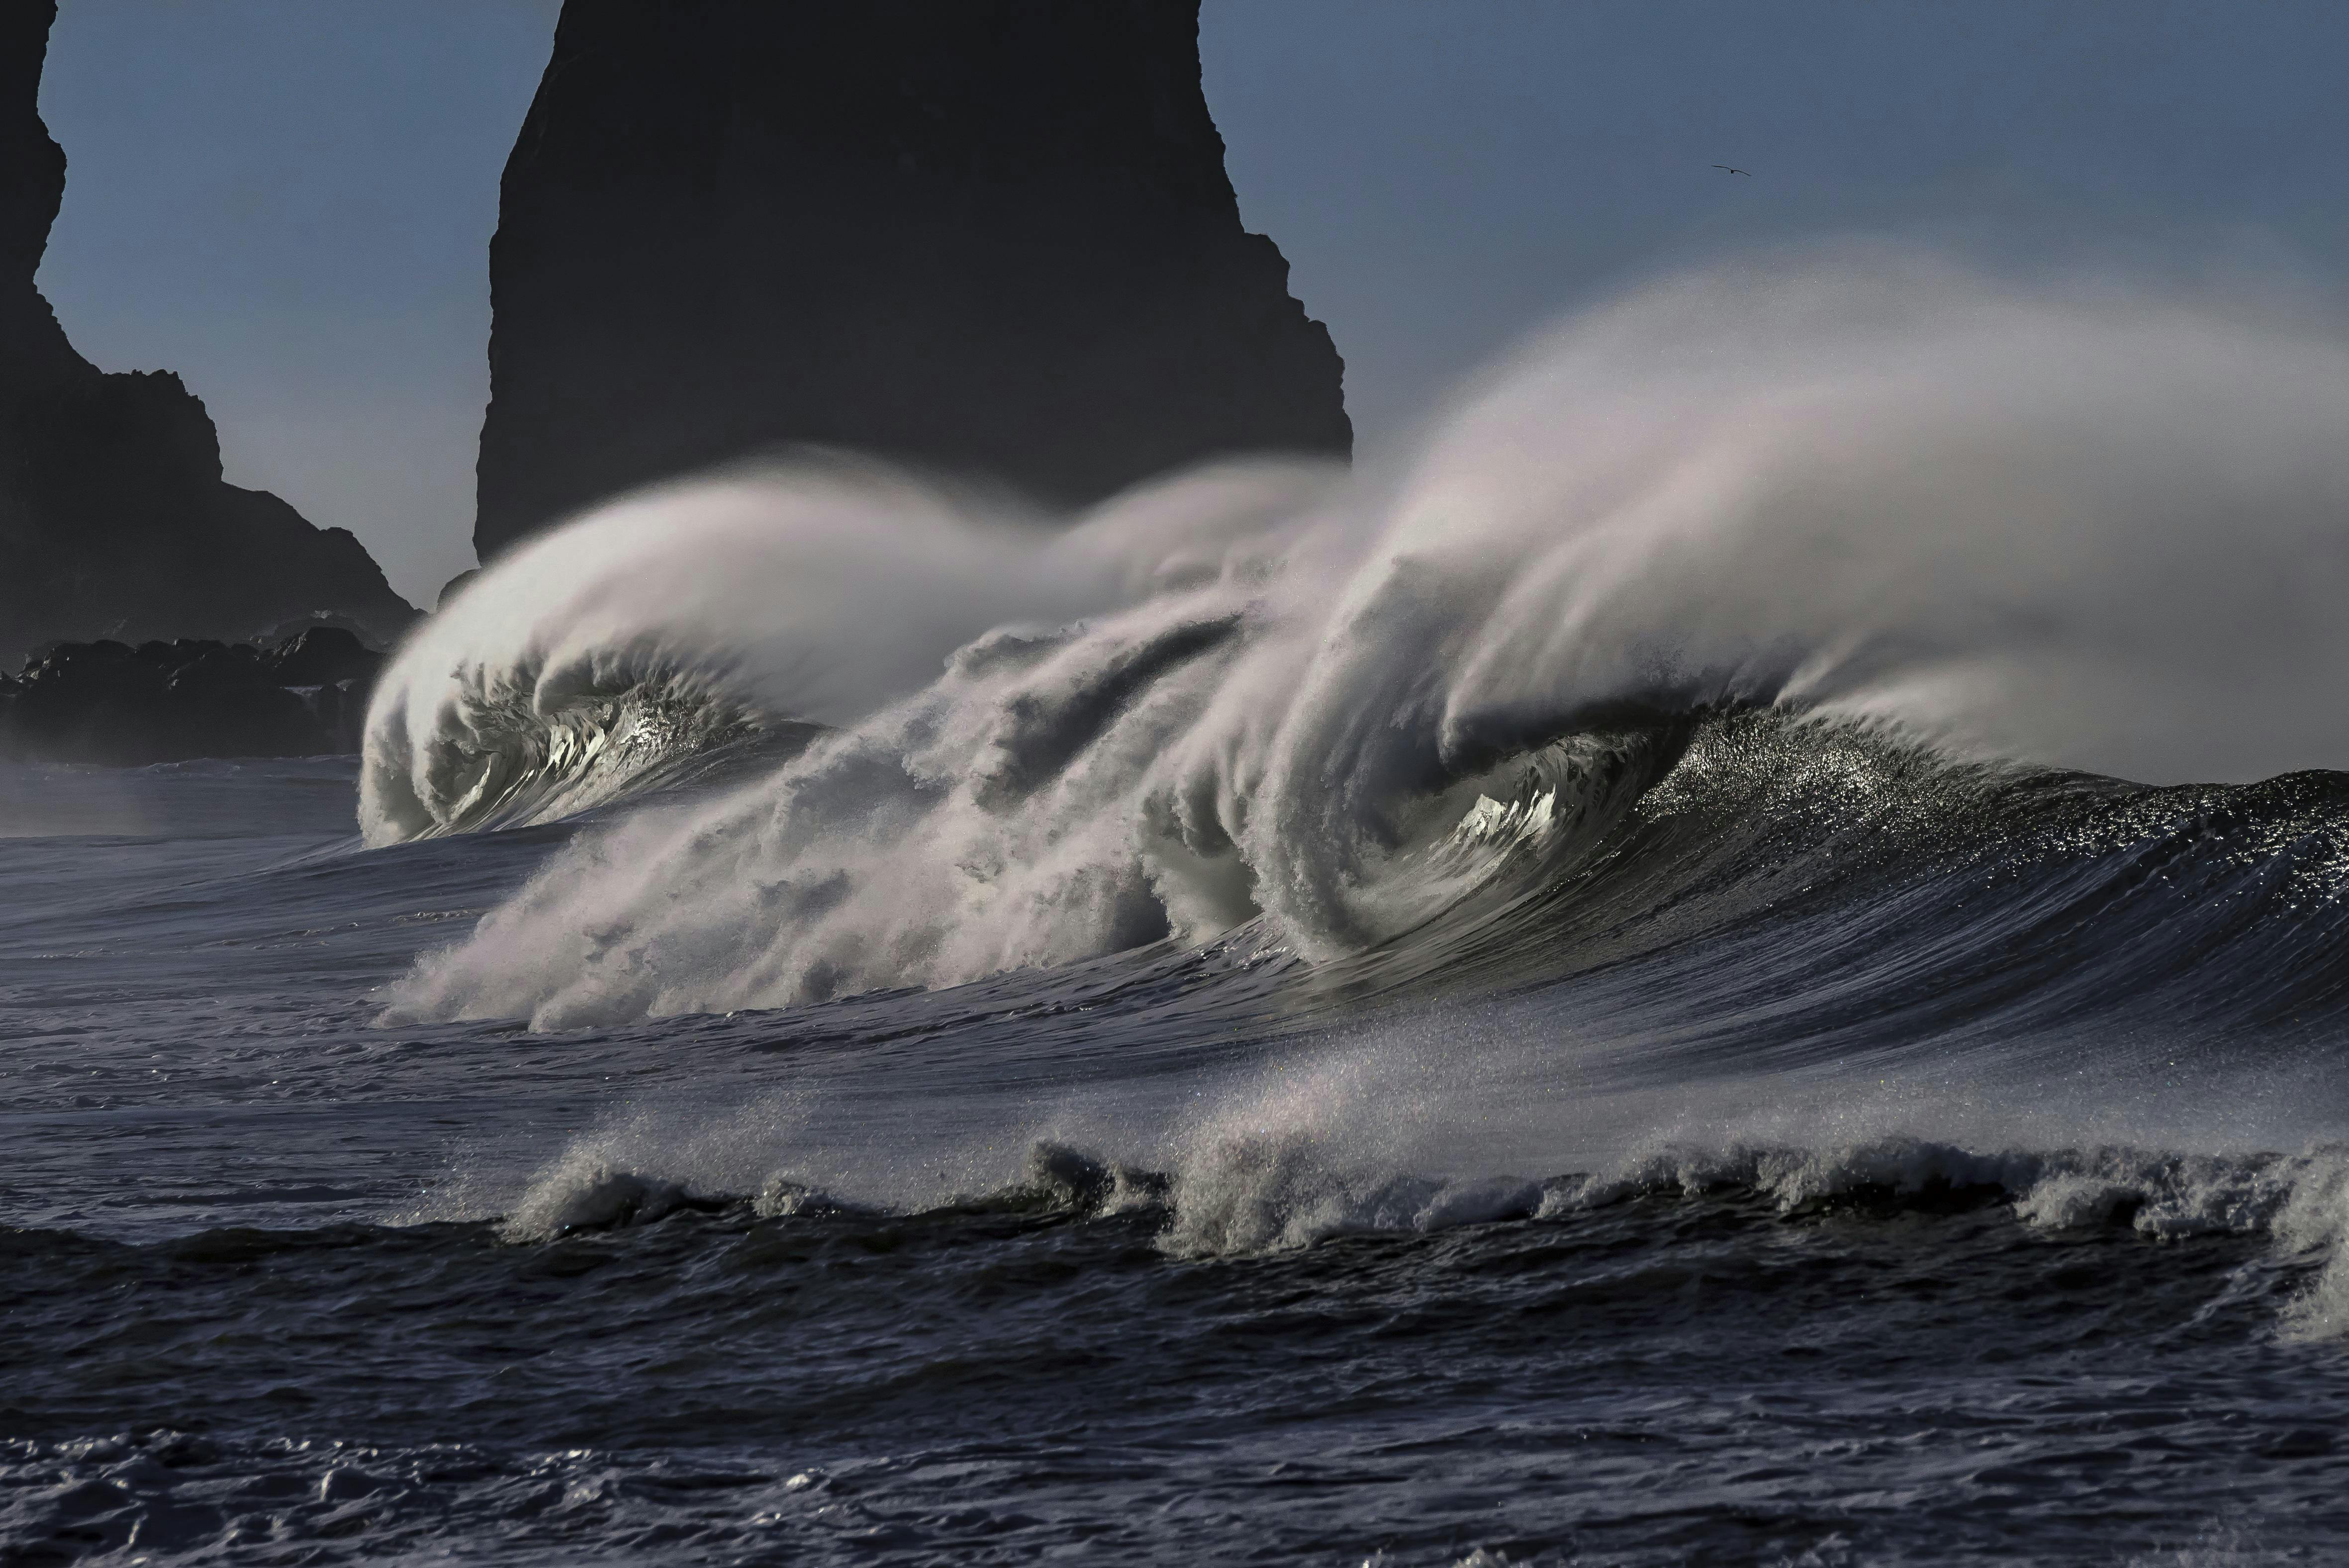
[2070, 525]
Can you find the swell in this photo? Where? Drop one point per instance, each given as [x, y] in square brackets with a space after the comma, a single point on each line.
[1803, 889]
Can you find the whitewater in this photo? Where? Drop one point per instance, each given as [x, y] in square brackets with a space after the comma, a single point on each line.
[1734, 953]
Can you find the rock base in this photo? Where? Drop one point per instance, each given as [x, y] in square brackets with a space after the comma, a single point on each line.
[110, 703]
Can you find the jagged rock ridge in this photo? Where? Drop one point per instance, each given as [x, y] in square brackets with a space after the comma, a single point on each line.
[106, 702]
[115, 519]
[992, 237]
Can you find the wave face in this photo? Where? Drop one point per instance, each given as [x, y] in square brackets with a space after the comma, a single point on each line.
[1995, 526]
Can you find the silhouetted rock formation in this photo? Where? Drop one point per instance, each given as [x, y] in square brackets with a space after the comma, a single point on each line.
[114, 519]
[163, 702]
[993, 237]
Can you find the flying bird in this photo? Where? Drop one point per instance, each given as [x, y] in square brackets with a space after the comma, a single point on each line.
[1725, 168]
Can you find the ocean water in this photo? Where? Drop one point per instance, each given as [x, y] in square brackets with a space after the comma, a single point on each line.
[1600, 990]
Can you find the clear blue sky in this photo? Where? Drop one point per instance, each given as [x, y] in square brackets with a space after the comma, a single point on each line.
[289, 201]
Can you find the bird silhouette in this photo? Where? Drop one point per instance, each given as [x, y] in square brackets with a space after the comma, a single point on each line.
[1725, 168]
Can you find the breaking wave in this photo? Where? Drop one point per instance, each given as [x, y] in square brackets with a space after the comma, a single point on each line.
[1948, 537]
[1237, 1194]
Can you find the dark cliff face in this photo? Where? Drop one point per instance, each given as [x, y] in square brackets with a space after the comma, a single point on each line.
[114, 519]
[992, 237]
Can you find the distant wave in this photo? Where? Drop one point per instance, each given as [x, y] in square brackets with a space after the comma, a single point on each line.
[1943, 534]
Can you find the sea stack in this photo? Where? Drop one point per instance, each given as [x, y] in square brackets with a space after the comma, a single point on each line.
[988, 237]
[114, 519]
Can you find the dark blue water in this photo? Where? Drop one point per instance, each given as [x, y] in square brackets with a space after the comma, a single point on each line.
[1769, 1170]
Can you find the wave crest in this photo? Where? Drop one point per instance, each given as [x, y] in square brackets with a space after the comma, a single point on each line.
[1261, 1193]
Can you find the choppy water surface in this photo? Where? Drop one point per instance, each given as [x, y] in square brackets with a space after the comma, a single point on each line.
[1573, 1000]
[1171, 1257]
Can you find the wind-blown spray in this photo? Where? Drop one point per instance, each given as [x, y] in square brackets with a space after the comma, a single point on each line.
[2086, 526]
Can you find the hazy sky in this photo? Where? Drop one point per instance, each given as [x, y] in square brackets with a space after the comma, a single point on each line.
[289, 201]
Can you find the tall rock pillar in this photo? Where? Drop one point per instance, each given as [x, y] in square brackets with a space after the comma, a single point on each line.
[114, 519]
[991, 237]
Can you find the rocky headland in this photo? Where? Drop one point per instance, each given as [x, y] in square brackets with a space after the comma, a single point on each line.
[991, 238]
[115, 521]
